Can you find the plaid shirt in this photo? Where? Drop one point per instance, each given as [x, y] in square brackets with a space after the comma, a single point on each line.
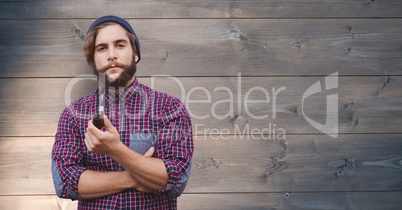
[144, 118]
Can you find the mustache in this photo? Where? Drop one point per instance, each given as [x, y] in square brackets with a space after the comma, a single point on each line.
[117, 64]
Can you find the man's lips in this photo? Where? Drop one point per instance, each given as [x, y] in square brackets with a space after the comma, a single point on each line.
[113, 69]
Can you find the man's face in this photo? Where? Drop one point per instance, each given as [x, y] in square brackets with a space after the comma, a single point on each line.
[114, 55]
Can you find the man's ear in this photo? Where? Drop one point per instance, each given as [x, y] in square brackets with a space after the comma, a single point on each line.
[136, 58]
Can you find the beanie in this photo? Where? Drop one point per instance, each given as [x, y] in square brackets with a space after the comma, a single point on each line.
[120, 21]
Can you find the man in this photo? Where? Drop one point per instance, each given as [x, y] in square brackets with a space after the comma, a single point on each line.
[141, 159]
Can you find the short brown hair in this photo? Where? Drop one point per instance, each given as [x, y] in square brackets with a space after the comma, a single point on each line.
[89, 43]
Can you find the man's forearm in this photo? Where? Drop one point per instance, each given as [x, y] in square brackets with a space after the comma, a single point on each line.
[93, 184]
[149, 172]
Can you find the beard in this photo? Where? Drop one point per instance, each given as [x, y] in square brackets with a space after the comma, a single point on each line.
[123, 78]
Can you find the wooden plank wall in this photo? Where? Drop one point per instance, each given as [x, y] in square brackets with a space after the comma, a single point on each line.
[223, 54]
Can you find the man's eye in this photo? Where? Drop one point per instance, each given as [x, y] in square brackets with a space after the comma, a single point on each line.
[120, 45]
[100, 49]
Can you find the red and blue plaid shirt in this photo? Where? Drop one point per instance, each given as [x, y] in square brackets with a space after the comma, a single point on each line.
[144, 118]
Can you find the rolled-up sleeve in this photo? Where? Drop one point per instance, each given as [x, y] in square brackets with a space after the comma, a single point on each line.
[67, 164]
[176, 147]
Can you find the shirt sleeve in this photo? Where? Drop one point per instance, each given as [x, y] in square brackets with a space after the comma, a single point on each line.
[67, 160]
[176, 140]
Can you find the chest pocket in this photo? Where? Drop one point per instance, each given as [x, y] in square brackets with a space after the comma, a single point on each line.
[141, 142]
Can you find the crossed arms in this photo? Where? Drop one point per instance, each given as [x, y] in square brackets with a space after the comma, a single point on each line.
[142, 172]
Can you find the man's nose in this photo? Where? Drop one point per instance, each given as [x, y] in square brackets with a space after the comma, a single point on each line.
[112, 54]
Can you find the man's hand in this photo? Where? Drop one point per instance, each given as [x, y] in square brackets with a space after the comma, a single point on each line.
[103, 143]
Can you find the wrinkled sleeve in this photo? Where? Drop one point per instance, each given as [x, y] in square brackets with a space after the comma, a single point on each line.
[67, 160]
[177, 147]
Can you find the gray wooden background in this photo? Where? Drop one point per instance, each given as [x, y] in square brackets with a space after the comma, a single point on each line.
[221, 55]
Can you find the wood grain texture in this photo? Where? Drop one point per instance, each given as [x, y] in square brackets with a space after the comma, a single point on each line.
[296, 164]
[213, 47]
[39, 202]
[32, 106]
[25, 166]
[300, 201]
[195, 9]
[234, 164]
[253, 201]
